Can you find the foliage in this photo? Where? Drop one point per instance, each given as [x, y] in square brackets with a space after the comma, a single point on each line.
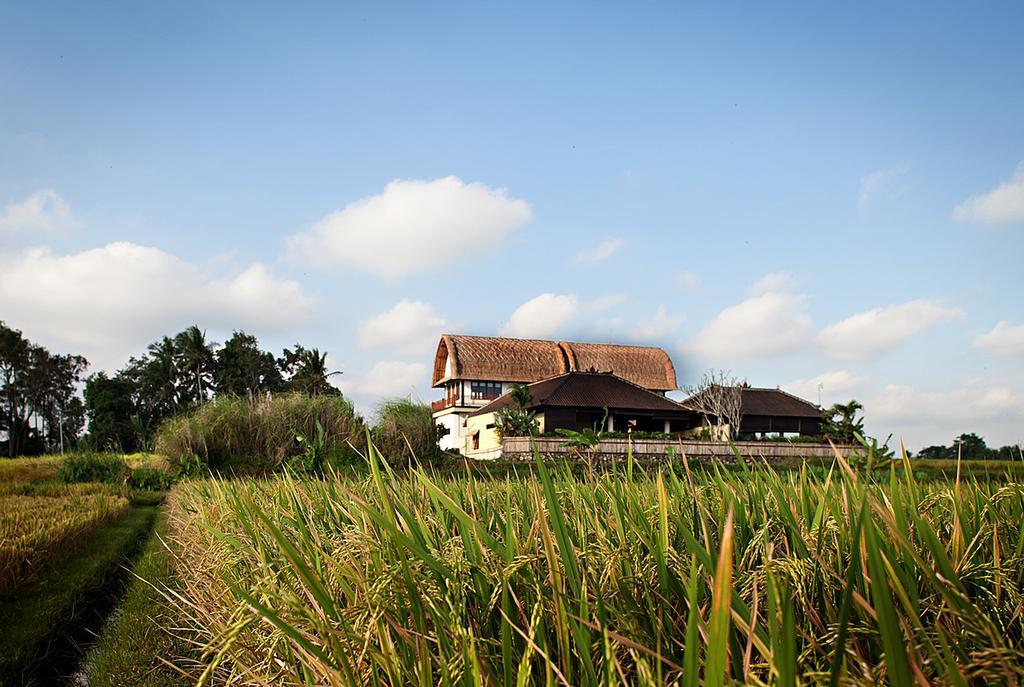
[517, 420]
[311, 460]
[584, 441]
[621, 577]
[243, 369]
[108, 468]
[406, 428]
[970, 446]
[39, 408]
[307, 370]
[258, 434]
[151, 479]
[841, 424]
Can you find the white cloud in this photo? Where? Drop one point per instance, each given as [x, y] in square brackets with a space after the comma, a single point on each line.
[542, 316]
[390, 379]
[412, 226]
[606, 302]
[1003, 204]
[655, 328]
[770, 324]
[43, 211]
[107, 303]
[601, 251]
[993, 410]
[687, 280]
[409, 327]
[833, 386]
[875, 331]
[773, 281]
[882, 183]
[1005, 338]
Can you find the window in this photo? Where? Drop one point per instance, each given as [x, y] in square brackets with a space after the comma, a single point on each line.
[484, 391]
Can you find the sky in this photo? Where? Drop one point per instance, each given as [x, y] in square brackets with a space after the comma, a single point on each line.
[824, 198]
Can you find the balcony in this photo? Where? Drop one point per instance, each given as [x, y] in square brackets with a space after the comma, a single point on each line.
[436, 406]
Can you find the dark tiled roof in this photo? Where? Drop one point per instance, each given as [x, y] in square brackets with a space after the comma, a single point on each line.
[589, 390]
[501, 359]
[777, 403]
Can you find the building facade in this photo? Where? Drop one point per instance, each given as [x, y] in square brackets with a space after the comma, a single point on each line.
[473, 371]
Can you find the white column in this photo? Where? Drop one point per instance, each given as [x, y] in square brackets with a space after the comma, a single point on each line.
[611, 422]
[668, 426]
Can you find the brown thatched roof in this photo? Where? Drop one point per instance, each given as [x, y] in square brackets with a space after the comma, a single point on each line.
[592, 391]
[502, 359]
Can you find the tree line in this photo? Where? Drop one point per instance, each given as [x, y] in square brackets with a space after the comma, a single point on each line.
[181, 372]
[40, 409]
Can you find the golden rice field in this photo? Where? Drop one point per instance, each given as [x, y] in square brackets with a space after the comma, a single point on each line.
[676, 577]
[40, 522]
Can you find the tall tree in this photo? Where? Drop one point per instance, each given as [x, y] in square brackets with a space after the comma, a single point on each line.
[307, 370]
[243, 369]
[196, 361]
[110, 403]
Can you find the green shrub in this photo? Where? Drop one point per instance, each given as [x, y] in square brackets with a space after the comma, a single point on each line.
[151, 479]
[256, 435]
[404, 426]
[93, 467]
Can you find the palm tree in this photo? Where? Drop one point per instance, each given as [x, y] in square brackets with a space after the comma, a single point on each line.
[195, 356]
[311, 374]
[161, 377]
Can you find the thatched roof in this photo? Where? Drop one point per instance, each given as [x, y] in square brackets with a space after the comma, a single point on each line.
[502, 359]
[591, 390]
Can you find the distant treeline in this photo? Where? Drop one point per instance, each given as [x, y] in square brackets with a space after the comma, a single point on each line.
[179, 373]
[971, 447]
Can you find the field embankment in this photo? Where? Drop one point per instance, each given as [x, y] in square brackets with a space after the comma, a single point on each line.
[623, 577]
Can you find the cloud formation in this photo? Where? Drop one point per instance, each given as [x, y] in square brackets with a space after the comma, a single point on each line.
[1001, 205]
[601, 251]
[43, 211]
[541, 317]
[1005, 338]
[770, 324]
[878, 330]
[109, 302]
[410, 327]
[412, 226]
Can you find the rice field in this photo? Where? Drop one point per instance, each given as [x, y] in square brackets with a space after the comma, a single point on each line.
[38, 523]
[682, 577]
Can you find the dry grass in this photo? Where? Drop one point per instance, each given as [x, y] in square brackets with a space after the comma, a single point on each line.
[678, 578]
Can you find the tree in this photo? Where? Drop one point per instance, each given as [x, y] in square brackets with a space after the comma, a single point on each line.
[196, 361]
[935, 452]
[841, 424]
[110, 404]
[719, 399]
[516, 420]
[970, 446]
[243, 369]
[307, 370]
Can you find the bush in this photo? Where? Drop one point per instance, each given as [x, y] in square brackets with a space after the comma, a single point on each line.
[402, 425]
[93, 467]
[256, 435]
[151, 479]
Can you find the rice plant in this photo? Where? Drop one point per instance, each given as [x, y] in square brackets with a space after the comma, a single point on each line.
[679, 577]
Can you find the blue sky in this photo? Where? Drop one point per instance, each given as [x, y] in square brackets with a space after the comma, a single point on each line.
[796, 193]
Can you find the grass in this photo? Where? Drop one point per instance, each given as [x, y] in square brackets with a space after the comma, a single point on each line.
[38, 529]
[35, 624]
[622, 577]
[132, 649]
